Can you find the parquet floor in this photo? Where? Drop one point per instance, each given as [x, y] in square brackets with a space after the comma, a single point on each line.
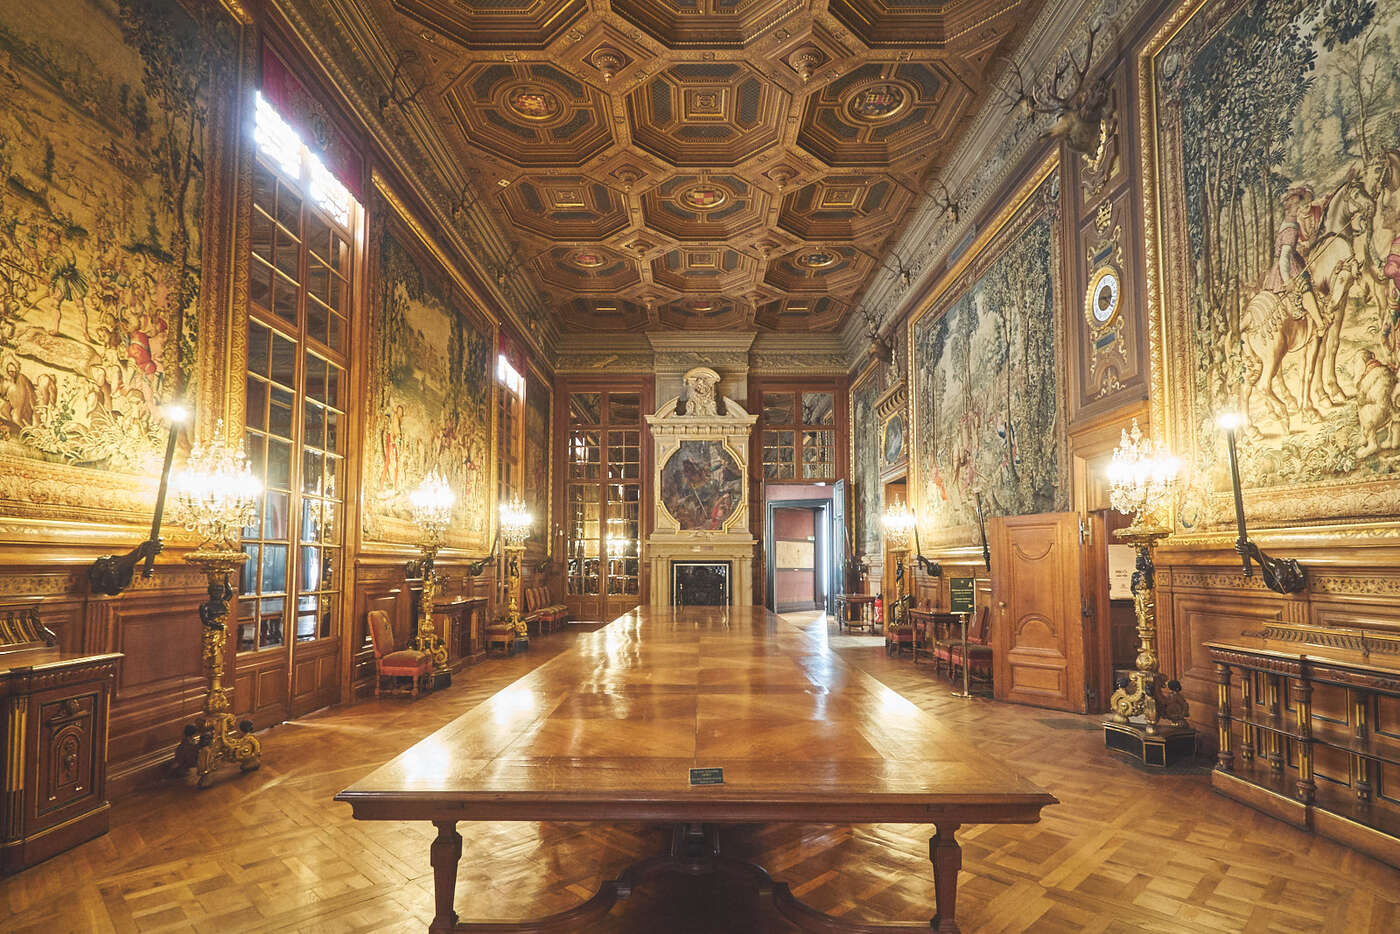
[1126, 850]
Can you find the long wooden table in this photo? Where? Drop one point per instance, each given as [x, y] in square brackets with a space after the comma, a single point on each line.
[610, 730]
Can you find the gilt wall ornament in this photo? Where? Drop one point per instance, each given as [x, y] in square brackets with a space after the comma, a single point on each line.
[700, 386]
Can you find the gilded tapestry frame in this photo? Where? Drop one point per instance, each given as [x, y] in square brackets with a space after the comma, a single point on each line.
[395, 531]
[48, 502]
[989, 244]
[1308, 510]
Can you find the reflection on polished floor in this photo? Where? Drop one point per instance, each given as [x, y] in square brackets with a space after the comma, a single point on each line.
[1125, 850]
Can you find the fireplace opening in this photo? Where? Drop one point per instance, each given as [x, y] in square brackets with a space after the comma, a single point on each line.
[700, 583]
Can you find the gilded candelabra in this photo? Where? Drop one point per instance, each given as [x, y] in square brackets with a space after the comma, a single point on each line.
[898, 522]
[515, 529]
[1142, 476]
[215, 497]
[431, 504]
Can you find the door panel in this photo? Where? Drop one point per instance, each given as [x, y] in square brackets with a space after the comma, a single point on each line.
[1038, 628]
[837, 537]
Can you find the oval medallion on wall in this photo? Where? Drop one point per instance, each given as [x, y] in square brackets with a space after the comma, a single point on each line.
[703, 197]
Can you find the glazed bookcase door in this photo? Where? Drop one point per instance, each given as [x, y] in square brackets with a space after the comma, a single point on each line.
[603, 503]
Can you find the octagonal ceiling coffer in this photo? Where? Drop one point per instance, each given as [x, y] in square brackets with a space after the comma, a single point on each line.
[496, 24]
[530, 114]
[706, 114]
[709, 24]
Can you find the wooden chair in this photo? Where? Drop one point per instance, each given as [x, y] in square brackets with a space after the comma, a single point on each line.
[979, 652]
[390, 661]
[928, 628]
[501, 633]
[899, 631]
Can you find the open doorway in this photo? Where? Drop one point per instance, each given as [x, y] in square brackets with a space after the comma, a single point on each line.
[797, 555]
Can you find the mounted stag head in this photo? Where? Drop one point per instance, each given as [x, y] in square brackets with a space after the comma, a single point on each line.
[879, 349]
[905, 273]
[1079, 110]
[945, 202]
[466, 196]
[408, 72]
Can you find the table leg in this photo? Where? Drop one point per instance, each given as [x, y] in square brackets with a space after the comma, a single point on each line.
[946, 856]
[446, 853]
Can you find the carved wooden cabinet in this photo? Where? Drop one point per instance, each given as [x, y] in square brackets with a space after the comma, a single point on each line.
[53, 728]
[1308, 724]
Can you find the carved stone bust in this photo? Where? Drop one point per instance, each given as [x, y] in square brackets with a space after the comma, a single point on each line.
[700, 385]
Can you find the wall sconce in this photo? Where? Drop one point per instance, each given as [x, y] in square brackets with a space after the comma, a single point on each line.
[982, 527]
[1142, 477]
[1281, 575]
[112, 574]
[216, 496]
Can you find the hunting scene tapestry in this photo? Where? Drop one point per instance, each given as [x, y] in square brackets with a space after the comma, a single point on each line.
[536, 473]
[105, 142]
[987, 391]
[1277, 127]
[431, 376]
[865, 462]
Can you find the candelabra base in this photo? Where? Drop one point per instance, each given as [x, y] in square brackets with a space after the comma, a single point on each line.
[1166, 746]
[215, 739]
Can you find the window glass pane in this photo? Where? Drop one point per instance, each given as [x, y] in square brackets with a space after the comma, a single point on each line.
[284, 361]
[777, 408]
[624, 408]
[818, 408]
[259, 338]
[585, 455]
[585, 408]
[818, 455]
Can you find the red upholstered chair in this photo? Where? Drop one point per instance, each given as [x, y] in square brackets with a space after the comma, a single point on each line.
[391, 661]
[899, 631]
[979, 651]
[500, 633]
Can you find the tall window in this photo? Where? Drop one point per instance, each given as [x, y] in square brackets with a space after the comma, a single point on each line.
[799, 436]
[604, 494]
[299, 304]
[509, 405]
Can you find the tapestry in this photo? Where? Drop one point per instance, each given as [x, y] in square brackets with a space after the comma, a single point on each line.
[701, 485]
[865, 462]
[432, 367]
[535, 481]
[104, 146]
[1275, 149]
[987, 388]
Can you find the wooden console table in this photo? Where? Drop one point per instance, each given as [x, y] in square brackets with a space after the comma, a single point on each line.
[53, 728]
[460, 622]
[1309, 731]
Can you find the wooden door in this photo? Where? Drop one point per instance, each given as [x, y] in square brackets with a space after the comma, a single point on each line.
[1038, 611]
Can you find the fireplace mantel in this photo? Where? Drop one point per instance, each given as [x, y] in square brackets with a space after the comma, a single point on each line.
[701, 486]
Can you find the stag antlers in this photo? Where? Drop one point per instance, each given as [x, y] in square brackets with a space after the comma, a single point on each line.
[1079, 111]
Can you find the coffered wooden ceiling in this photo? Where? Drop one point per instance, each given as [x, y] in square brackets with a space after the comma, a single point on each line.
[701, 163]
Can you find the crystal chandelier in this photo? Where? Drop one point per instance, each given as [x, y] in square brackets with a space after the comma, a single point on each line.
[515, 523]
[431, 503]
[1141, 477]
[216, 493]
[898, 522]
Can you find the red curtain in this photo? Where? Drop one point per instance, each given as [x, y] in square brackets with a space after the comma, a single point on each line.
[290, 97]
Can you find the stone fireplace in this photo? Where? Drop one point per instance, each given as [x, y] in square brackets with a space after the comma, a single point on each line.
[701, 487]
[700, 583]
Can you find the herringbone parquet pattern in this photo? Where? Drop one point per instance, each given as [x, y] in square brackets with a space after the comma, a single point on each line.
[1127, 850]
